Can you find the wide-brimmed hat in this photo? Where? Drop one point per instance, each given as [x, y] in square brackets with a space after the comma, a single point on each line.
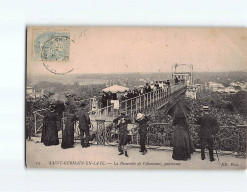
[139, 116]
[205, 108]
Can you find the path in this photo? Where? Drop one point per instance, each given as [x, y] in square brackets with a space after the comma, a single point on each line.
[39, 155]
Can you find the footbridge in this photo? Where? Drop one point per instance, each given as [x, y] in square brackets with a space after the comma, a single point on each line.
[144, 103]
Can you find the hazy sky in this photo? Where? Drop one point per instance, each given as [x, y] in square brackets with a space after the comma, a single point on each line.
[152, 49]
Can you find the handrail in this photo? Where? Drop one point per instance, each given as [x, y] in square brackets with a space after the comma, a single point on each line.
[181, 84]
[142, 101]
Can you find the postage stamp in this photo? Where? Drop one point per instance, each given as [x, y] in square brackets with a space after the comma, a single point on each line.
[51, 46]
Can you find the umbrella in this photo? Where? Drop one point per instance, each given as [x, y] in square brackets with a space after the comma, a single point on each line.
[58, 97]
[179, 109]
[115, 89]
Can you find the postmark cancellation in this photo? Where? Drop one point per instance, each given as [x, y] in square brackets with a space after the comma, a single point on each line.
[51, 46]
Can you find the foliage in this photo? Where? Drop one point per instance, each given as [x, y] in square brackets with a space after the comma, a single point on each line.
[240, 101]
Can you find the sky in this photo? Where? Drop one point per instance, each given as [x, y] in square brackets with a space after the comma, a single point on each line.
[148, 49]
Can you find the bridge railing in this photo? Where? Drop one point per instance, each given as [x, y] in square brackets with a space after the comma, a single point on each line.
[140, 103]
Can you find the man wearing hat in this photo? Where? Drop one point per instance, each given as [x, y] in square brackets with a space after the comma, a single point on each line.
[122, 122]
[142, 120]
[209, 127]
[84, 123]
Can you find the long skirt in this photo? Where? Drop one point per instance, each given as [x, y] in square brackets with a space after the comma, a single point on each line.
[50, 134]
[68, 135]
[182, 146]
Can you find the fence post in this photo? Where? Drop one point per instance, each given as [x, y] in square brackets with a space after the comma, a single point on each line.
[131, 107]
[159, 96]
[238, 143]
[155, 98]
[113, 112]
[137, 98]
[162, 98]
[157, 92]
[35, 123]
[126, 106]
[101, 132]
[107, 107]
[144, 100]
[147, 100]
[140, 101]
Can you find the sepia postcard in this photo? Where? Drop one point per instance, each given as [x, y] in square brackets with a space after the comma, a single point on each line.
[136, 97]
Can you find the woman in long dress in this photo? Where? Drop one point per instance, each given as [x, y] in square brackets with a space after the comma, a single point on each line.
[68, 132]
[50, 131]
[182, 145]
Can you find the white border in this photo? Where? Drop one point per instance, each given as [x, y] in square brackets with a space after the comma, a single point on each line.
[16, 15]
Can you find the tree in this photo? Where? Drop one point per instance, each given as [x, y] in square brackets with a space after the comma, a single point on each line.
[240, 101]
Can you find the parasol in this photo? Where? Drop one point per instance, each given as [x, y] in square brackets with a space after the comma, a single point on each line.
[115, 89]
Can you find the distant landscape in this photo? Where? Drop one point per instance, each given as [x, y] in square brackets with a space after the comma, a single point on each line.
[58, 83]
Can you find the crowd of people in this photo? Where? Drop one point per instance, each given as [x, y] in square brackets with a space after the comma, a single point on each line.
[50, 126]
[136, 91]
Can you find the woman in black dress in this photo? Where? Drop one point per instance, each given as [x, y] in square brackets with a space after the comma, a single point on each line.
[50, 131]
[68, 132]
[182, 146]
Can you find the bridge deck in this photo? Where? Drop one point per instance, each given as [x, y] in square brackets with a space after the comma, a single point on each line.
[143, 103]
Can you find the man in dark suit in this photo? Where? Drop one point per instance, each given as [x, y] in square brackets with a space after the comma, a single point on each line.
[209, 127]
[84, 123]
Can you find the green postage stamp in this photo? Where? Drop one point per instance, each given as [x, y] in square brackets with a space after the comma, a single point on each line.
[51, 46]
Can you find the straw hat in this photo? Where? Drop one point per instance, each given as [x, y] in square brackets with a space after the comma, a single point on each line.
[205, 108]
[139, 116]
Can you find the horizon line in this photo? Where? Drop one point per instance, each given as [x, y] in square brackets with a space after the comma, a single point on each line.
[245, 71]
